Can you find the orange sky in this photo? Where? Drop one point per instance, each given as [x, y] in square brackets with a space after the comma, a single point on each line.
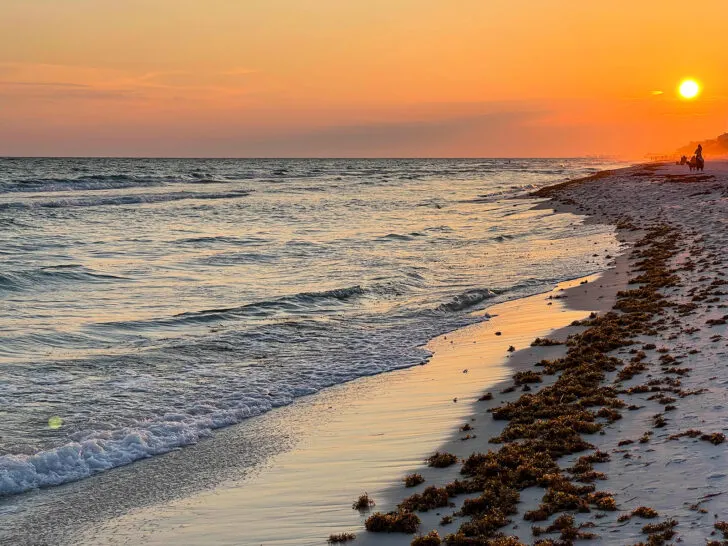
[358, 78]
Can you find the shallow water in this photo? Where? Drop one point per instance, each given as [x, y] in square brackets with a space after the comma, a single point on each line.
[145, 303]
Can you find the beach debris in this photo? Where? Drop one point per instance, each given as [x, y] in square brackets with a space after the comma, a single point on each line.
[511, 349]
[716, 438]
[364, 502]
[545, 342]
[498, 333]
[341, 538]
[441, 460]
[546, 425]
[722, 526]
[430, 539]
[660, 532]
[431, 497]
[528, 376]
[412, 480]
[392, 522]
[487, 396]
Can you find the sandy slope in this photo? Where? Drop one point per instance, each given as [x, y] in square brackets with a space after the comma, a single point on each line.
[685, 478]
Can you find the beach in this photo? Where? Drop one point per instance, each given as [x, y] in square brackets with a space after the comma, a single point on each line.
[661, 460]
[665, 456]
[642, 439]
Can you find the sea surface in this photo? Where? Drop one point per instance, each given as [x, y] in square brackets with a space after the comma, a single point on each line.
[145, 303]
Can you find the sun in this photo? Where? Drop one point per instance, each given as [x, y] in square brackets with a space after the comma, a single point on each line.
[689, 89]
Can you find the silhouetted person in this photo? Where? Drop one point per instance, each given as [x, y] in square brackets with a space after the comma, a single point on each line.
[699, 161]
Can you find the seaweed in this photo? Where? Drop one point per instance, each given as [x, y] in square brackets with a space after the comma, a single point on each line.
[392, 522]
[430, 539]
[441, 460]
[412, 480]
[431, 497]
[364, 502]
[550, 423]
[341, 538]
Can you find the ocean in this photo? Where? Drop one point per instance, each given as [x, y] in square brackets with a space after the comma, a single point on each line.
[145, 303]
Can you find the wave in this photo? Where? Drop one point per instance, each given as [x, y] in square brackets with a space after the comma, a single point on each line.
[82, 183]
[101, 451]
[236, 258]
[53, 275]
[133, 199]
[223, 239]
[467, 299]
[401, 237]
[298, 303]
[98, 182]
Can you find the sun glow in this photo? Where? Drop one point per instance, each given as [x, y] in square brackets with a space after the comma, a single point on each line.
[689, 89]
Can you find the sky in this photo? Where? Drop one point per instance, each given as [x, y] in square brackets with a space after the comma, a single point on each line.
[359, 78]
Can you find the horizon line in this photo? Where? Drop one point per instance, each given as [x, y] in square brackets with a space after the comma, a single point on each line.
[12, 157]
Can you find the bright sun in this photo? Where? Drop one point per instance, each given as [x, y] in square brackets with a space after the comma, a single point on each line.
[689, 89]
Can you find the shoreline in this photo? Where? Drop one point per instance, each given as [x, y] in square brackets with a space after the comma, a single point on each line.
[391, 420]
[634, 199]
[596, 296]
[136, 524]
[85, 503]
[630, 495]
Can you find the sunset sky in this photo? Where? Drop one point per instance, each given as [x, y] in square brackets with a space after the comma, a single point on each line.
[359, 77]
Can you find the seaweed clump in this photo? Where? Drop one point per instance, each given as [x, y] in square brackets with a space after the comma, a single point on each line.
[548, 424]
[659, 532]
[430, 539]
[431, 497]
[392, 522]
[341, 538]
[364, 502]
[441, 460]
[412, 480]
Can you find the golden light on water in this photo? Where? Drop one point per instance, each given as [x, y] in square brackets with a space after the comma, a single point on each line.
[689, 89]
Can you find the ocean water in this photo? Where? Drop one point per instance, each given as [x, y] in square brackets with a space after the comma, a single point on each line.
[146, 303]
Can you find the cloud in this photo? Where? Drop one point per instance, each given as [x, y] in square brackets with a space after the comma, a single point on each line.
[55, 91]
